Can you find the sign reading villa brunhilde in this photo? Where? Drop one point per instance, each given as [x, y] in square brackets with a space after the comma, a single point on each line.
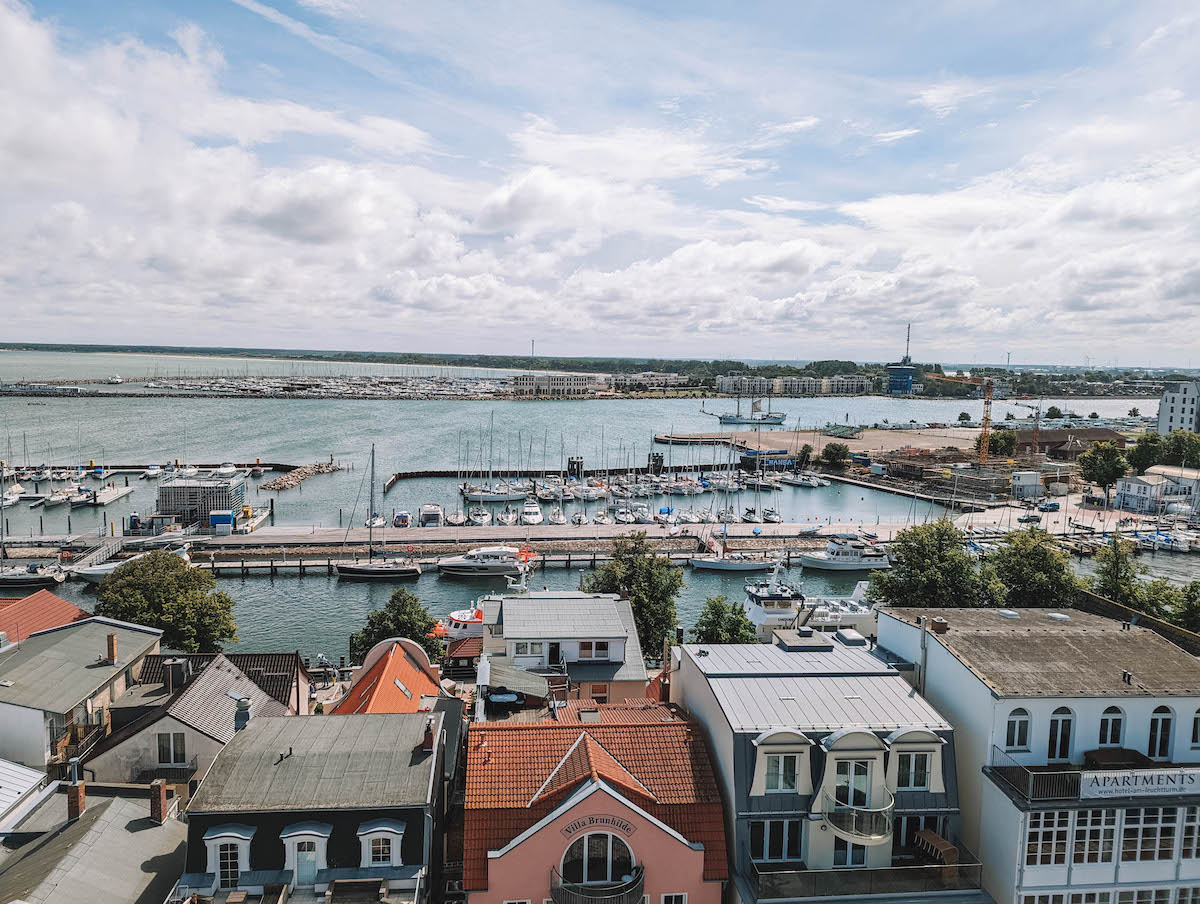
[600, 822]
[1139, 782]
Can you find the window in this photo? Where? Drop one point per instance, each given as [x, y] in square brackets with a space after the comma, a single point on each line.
[599, 693]
[781, 771]
[1191, 834]
[1159, 747]
[1059, 747]
[1189, 895]
[775, 839]
[535, 647]
[1091, 897]
[597, 857]
[1017, 737]
[1110, 727]
[1057, 897]
[905, 829]
[1145, 896]
[847, 854]
[1149, 834]
[228, 866]
[1095, 836]
[674, 899]
[171, 748]
[381, 850]
[1046, 844]
[585, 649]
[1196, 729]
[852, 783]
[912, 773]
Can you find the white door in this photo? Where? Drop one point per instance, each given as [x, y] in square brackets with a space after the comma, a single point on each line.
[306, 863]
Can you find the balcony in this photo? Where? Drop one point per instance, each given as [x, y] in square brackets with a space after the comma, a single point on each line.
[863, 825]
[1063, 781]
[629, 891]
[787, 883]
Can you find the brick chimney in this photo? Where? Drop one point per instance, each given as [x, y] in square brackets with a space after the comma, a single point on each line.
[112, 649]
[158, 801]
[427, 741]
[76, 793]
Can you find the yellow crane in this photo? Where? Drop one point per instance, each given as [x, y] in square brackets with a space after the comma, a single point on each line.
[985, 425]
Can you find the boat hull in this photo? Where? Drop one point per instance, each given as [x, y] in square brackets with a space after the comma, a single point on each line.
[480, 570]
[824, 563]
[378, 571]
[732, 564]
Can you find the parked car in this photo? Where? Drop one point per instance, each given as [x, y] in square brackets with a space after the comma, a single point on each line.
[1048, 507]
[1030, 519]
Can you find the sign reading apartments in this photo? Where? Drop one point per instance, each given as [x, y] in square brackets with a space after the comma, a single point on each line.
[1139, 782]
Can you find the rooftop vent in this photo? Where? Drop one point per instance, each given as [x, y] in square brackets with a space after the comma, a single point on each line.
[940, 625]
[1060, 616]
[1009, 613]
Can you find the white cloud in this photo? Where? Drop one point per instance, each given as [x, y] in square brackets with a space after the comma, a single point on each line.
[776, 204]
[897, 135]
[944, 98]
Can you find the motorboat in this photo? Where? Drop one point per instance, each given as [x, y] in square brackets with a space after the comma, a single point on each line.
[31, 577]
[479, 516]
[771, 605]
[499, 493]
[831, 613]
[579, 519]
[257, 471]
[462, 623]
[152, 473]
[379, 569]
[548, 493]
[590, 493]
[400, 519]
[456, 518]
[751, 516]
[801, 480]
[431, 515]
[508, 516]
[624, 515]
[227, 469]
[376, 520]
[602, 517]
[114, 380]
[531, 512]
[487, 561]
[189, 471]
[846, 555]
[772, 517]
[733, 561]
[556, 515]
[94, 574]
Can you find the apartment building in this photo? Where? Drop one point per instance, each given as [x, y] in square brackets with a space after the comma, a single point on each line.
[556, 384]
[1078, 744]
[1177, 408]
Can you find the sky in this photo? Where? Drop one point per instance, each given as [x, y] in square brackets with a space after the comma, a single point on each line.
[740, 180]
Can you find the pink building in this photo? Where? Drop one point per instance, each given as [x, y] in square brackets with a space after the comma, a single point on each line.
[616, 799]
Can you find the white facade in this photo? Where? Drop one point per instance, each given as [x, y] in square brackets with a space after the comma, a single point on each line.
[1177, 408]
[1160, 487]
[651, 379]
[142, 752]
[556, 384]
[1031, 769]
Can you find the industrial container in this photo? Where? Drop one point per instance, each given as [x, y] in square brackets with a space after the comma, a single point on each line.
[219, 517]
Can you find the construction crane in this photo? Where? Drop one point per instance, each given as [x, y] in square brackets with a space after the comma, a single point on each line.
[1037, 423]
[985, 425]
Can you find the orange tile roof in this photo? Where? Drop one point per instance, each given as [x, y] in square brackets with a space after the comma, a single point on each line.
[37, 612]
[465, 647]
[377, 690]
[518, 772]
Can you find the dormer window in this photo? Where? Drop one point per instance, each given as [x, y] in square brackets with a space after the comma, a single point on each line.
[380, 842]
[593, 649]
[912, 772]
[781, 771]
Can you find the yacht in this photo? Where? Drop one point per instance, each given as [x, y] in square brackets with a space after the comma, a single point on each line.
[114, 380]
[734, 561]
[579, 519]
[846, 555]
[189, 471]
[498, 493]
[431, 515]
[462, 623]
[751, 516]
[830, 613]
[687, 516]
[42, 473]
[400, 519]
[602, 517]
[508, 516]
[624, 515]
[486, 561]
[31, 577]
[771, 605]
[479, 516]
[379, 569]
[556, 515]
[376, 520]
[152, 473]
[456, 518]
[531, 512]
[227, 469]
[772, 517]
[94, 574]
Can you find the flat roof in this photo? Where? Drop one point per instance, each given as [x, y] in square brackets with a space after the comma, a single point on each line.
[1081, 655]
[746, 659]
[55, 669]
[290, 763]
[873, 702]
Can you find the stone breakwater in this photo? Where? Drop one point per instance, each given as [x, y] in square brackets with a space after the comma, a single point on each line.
[293, 478]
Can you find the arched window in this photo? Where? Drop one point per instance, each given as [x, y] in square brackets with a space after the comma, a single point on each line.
[1112, 727]
[1059, 747]
[1159, 747]
[1017, 736]
[597, 858]
[1196, 729]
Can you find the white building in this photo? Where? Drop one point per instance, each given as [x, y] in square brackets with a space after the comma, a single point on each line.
[837, 778]
[650, 379]
[557, 384]
[1160, 487]
[1078, 744]
[1177, 408]
[745, 385]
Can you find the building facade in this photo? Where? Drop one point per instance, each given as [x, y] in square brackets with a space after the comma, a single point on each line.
[1177, 408]
[556, 384]
[838, 779]
[1163, 488]
[1078, 740]
[650, 379]
[192, 499]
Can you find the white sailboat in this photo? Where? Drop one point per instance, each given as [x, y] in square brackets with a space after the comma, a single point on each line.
[383, 568]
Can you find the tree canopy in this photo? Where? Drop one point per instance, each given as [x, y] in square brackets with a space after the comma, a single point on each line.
[835, 455]
[1035, 572]
[402, 616]
[931, 567]
[649, 581]
[161, 590]
[1054, 412]
[1146, 453]
[1103, 464]
[720, 622]
[1001, 443]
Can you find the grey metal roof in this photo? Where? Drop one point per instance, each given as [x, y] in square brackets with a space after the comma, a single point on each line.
[15, 782]
[206, 706]
[557, 615]
[746, 659]
[57, 669]
[304, 763]
[629, 670]
[873, 702]
[112, 854]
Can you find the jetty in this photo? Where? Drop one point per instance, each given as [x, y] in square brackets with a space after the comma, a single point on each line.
[295, 476]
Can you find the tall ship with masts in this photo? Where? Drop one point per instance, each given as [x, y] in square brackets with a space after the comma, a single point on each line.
[756, 415]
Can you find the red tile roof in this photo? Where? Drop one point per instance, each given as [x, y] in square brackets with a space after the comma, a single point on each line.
[465, 647]
[519, 772]
[378, 690]
[37, 612]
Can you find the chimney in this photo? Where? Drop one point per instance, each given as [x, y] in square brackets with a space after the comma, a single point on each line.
[241, 716]
[427, 741]
[112, 649]
[76, 793]
[940, 625]
[158, 801]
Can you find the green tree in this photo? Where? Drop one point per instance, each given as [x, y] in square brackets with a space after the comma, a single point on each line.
[1181, 447]
[805, 456]
[1054, 412]
[1133, 412]
[963, 417]
[402, 616]
[931, 567]
[1001, 443]
[1117, 574]
[161, 590]
[720, 622]
[1146, 453]
[1034, 571]
[1159, 598]
[835, 455]
[1103, 464]
[649, 581]
[1187, 613]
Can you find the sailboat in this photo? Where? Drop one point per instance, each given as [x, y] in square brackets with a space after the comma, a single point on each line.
[30, 577]
[756, 415]
[383, 569]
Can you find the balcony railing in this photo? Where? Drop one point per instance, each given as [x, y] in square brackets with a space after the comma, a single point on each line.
[627, 892]
[1056, 783]
[870, 825]
[772, 884]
